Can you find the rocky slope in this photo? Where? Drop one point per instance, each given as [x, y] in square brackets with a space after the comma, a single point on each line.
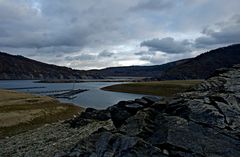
[201, 122]
[48, 140]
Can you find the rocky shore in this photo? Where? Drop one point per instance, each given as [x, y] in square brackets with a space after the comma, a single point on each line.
[48, 140]
[204, 121]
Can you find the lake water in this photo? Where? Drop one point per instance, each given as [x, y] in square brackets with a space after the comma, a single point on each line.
[94, 97]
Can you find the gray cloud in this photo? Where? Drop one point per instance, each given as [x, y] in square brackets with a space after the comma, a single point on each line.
[141, 53]
[81, 57]
[25, 27]
[105, 53]
[55, 24]
[68, 29]
[167, 45]
[160, 58]
[227, 33]
[216, 35]
[90, 57]
[153, 5]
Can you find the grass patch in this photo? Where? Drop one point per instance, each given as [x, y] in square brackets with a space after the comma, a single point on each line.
[159, 88]
[20, 112]
[47, 116]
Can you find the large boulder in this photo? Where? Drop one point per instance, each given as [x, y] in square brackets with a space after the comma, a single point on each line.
[106, 144]
[126, 109]
[89, 116]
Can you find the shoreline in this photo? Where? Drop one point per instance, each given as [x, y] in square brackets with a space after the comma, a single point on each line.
[107, 79]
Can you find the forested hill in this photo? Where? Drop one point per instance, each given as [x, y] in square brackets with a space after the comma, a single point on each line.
[204, 65]
[137, 71]
[19, 67]
[200, 67]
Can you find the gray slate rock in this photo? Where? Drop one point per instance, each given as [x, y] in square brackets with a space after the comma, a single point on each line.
[151, 99]
[107, 144]
[89, 116]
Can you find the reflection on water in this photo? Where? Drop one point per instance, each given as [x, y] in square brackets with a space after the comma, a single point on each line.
[94, 97]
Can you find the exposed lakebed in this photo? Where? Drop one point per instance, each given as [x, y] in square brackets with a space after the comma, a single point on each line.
[94, 97]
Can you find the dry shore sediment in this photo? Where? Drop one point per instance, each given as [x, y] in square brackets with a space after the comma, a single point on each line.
[20, 112]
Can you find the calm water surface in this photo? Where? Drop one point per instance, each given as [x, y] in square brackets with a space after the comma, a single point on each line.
[94, 97]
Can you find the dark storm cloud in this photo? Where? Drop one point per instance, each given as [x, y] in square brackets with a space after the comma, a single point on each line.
[167, 45]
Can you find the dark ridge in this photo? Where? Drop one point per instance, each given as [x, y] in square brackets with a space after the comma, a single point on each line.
[137, 71]
[14, 67]
[204, 65]
[200, 67]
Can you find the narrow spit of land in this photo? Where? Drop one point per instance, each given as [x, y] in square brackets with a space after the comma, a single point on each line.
[107, 79]
[20, 112]
[160, 88]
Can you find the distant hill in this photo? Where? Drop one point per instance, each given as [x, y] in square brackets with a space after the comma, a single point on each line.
[137, 71]
[200, 67]
[204, 65]
[19, 67]
[22, 68]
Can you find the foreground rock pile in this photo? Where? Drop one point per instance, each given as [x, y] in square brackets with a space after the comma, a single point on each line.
[48, 140]
[202, 122]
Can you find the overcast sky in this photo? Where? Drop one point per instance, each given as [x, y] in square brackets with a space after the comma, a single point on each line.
[86, 34]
